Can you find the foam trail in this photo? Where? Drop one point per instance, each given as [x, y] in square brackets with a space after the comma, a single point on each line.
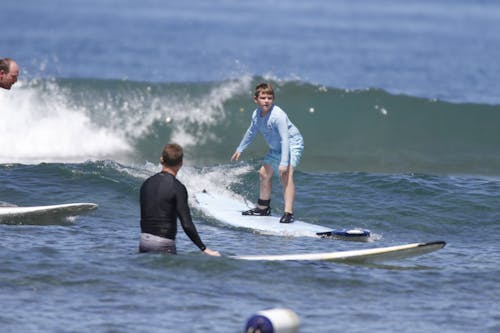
[214, 179]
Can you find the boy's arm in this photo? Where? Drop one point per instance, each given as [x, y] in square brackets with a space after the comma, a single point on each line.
[247, 138]
[282, 126]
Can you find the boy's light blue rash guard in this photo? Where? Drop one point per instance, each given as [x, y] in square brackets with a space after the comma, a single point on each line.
[277, 130]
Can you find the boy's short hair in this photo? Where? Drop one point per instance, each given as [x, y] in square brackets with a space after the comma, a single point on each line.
[172, 154]
[265, 88]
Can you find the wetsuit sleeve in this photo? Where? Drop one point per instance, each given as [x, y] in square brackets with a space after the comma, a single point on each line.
[249, 134]
[184, 215]
[282, 126]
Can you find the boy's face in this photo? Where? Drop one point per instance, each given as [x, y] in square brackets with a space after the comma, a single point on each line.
[264, 101]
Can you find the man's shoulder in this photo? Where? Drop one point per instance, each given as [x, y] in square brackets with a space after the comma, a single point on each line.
[158, 177]
[179, 184]
[149, 179]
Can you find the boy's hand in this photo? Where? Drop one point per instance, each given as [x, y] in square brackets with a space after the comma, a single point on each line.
[235, 157]
[282, 170]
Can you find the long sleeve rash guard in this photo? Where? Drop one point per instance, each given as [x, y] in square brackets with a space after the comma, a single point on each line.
[163, 200]
[277, 130]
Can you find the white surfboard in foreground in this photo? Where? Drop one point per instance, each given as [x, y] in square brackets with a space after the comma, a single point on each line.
[367, 255]
[228, 210]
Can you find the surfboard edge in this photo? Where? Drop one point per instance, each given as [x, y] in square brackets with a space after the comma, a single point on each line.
[388, 253]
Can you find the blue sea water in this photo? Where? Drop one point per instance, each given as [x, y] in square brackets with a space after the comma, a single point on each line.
[398, 103]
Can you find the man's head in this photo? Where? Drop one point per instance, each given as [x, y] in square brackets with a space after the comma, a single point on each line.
[172, 155]
[9, 71]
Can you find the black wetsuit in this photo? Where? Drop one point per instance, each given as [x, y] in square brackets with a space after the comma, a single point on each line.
[163, 200]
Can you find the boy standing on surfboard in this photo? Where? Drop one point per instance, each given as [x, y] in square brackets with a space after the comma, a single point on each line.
[285, 150]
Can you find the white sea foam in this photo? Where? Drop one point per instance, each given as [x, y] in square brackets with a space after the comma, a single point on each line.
[42, 121]
[40, 125]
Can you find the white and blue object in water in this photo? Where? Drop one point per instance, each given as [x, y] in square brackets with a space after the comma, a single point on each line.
[277, 320]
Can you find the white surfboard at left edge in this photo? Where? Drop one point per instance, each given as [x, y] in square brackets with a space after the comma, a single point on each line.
[227, 210]
[66, 209]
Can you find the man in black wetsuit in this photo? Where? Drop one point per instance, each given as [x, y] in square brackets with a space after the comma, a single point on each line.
[163, 200]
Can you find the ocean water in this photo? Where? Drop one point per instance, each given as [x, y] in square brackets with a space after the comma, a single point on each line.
[398, 103]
